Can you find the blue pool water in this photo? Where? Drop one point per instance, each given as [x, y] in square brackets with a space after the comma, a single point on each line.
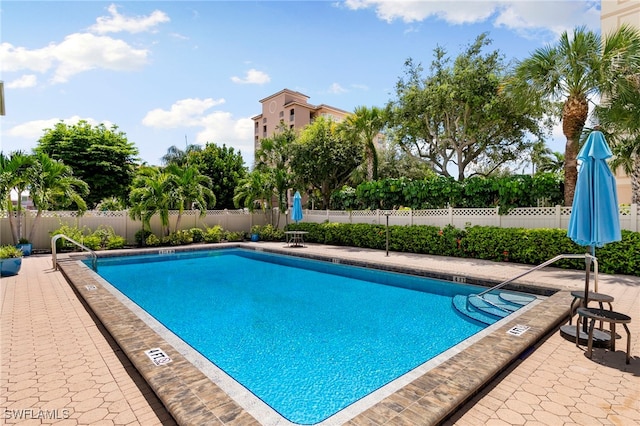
[307, 337]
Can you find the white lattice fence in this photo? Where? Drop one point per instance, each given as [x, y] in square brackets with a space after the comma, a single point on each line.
[240, 220]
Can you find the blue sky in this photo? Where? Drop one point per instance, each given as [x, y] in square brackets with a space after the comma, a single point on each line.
[171, 72]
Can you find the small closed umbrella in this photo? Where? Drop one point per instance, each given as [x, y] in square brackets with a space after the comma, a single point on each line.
[595, 217]
[296, 215]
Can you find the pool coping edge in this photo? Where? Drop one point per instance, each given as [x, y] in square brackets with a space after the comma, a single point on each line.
[194, 399]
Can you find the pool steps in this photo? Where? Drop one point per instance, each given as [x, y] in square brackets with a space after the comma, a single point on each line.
[491, 307]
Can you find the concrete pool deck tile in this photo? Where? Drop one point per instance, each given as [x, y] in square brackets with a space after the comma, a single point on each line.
[43, 317]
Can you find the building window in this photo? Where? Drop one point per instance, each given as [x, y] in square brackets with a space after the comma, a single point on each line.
[281, 114]
[292, 114]
[264, 120]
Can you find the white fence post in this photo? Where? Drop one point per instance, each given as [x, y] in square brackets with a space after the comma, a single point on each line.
[633, 213]
[498, 217]
[558, 216]
[450, 215]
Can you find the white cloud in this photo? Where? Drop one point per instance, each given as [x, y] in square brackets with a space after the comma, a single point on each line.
[218, 126]
[336, 89]
[77, 53]
[27, 80]
[183, 113]
[14, 58]
[253, 76]
[116, 22]
[528, 17]
[82, 52]
[35, 129]
[523, 16]
[455, 12]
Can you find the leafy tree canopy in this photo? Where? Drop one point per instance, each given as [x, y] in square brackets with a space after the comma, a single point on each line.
[460, 116]
[100, 156]
[323, 159]
[224, 166]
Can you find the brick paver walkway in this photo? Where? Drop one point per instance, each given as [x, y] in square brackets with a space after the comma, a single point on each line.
[60, 367]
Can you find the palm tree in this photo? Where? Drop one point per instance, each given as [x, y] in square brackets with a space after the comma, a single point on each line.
[14, 177]
[538, 152]
[253, 189]
[177, 156]
[365, 124]
[273, 158]
[578, 67]
[52, 184]
[151, 194]
[189, 189]
[551, 163]
[619, 118]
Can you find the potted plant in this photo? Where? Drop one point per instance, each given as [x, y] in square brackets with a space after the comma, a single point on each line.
[10, 260]
[25, 246]
[255, 233]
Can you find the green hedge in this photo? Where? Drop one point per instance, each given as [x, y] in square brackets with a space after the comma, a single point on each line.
[519, 245]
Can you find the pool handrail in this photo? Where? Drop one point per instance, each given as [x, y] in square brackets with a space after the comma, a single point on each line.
[586, 256]
[94, 256]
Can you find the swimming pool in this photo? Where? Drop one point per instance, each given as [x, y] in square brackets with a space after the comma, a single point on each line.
[351, 336]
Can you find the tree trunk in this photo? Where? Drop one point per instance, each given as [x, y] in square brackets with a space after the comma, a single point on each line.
[32, 232]
[634, 177]
[574, 115]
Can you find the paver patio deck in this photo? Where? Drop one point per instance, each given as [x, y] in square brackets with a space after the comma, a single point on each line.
[60, 365]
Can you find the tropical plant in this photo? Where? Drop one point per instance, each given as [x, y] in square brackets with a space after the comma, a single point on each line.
[365, 125]
[189, 188]
[14, 177]
[51, 183]
[254, 190]
[619, 118]
[580, 65]
[151, 194]
[177, 156]
[10, 252]
[273, 157]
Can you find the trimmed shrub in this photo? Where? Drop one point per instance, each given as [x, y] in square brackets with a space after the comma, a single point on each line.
[519, 245]
[213, 234]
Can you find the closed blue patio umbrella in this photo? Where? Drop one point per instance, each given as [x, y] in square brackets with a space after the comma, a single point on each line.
[595, 217]
[296, 214]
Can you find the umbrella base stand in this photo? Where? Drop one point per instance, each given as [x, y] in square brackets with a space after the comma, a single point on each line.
[601, 339]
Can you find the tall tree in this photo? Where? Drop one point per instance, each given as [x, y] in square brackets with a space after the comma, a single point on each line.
[365, 124]
[273, 157]
[461, 115]
[580, 65]
[323, 159]
[177, 156]
[224, 166]
[100, 156]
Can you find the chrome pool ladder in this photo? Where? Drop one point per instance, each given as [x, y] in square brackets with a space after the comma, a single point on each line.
[587, 257]
[94, 256]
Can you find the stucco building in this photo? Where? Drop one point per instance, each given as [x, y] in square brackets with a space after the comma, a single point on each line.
[291, 109]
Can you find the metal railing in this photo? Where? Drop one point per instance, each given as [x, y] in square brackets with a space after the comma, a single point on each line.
[94, 256]
[587, 257]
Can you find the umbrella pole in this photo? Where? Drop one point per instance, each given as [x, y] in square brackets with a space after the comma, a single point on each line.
[587, 270]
